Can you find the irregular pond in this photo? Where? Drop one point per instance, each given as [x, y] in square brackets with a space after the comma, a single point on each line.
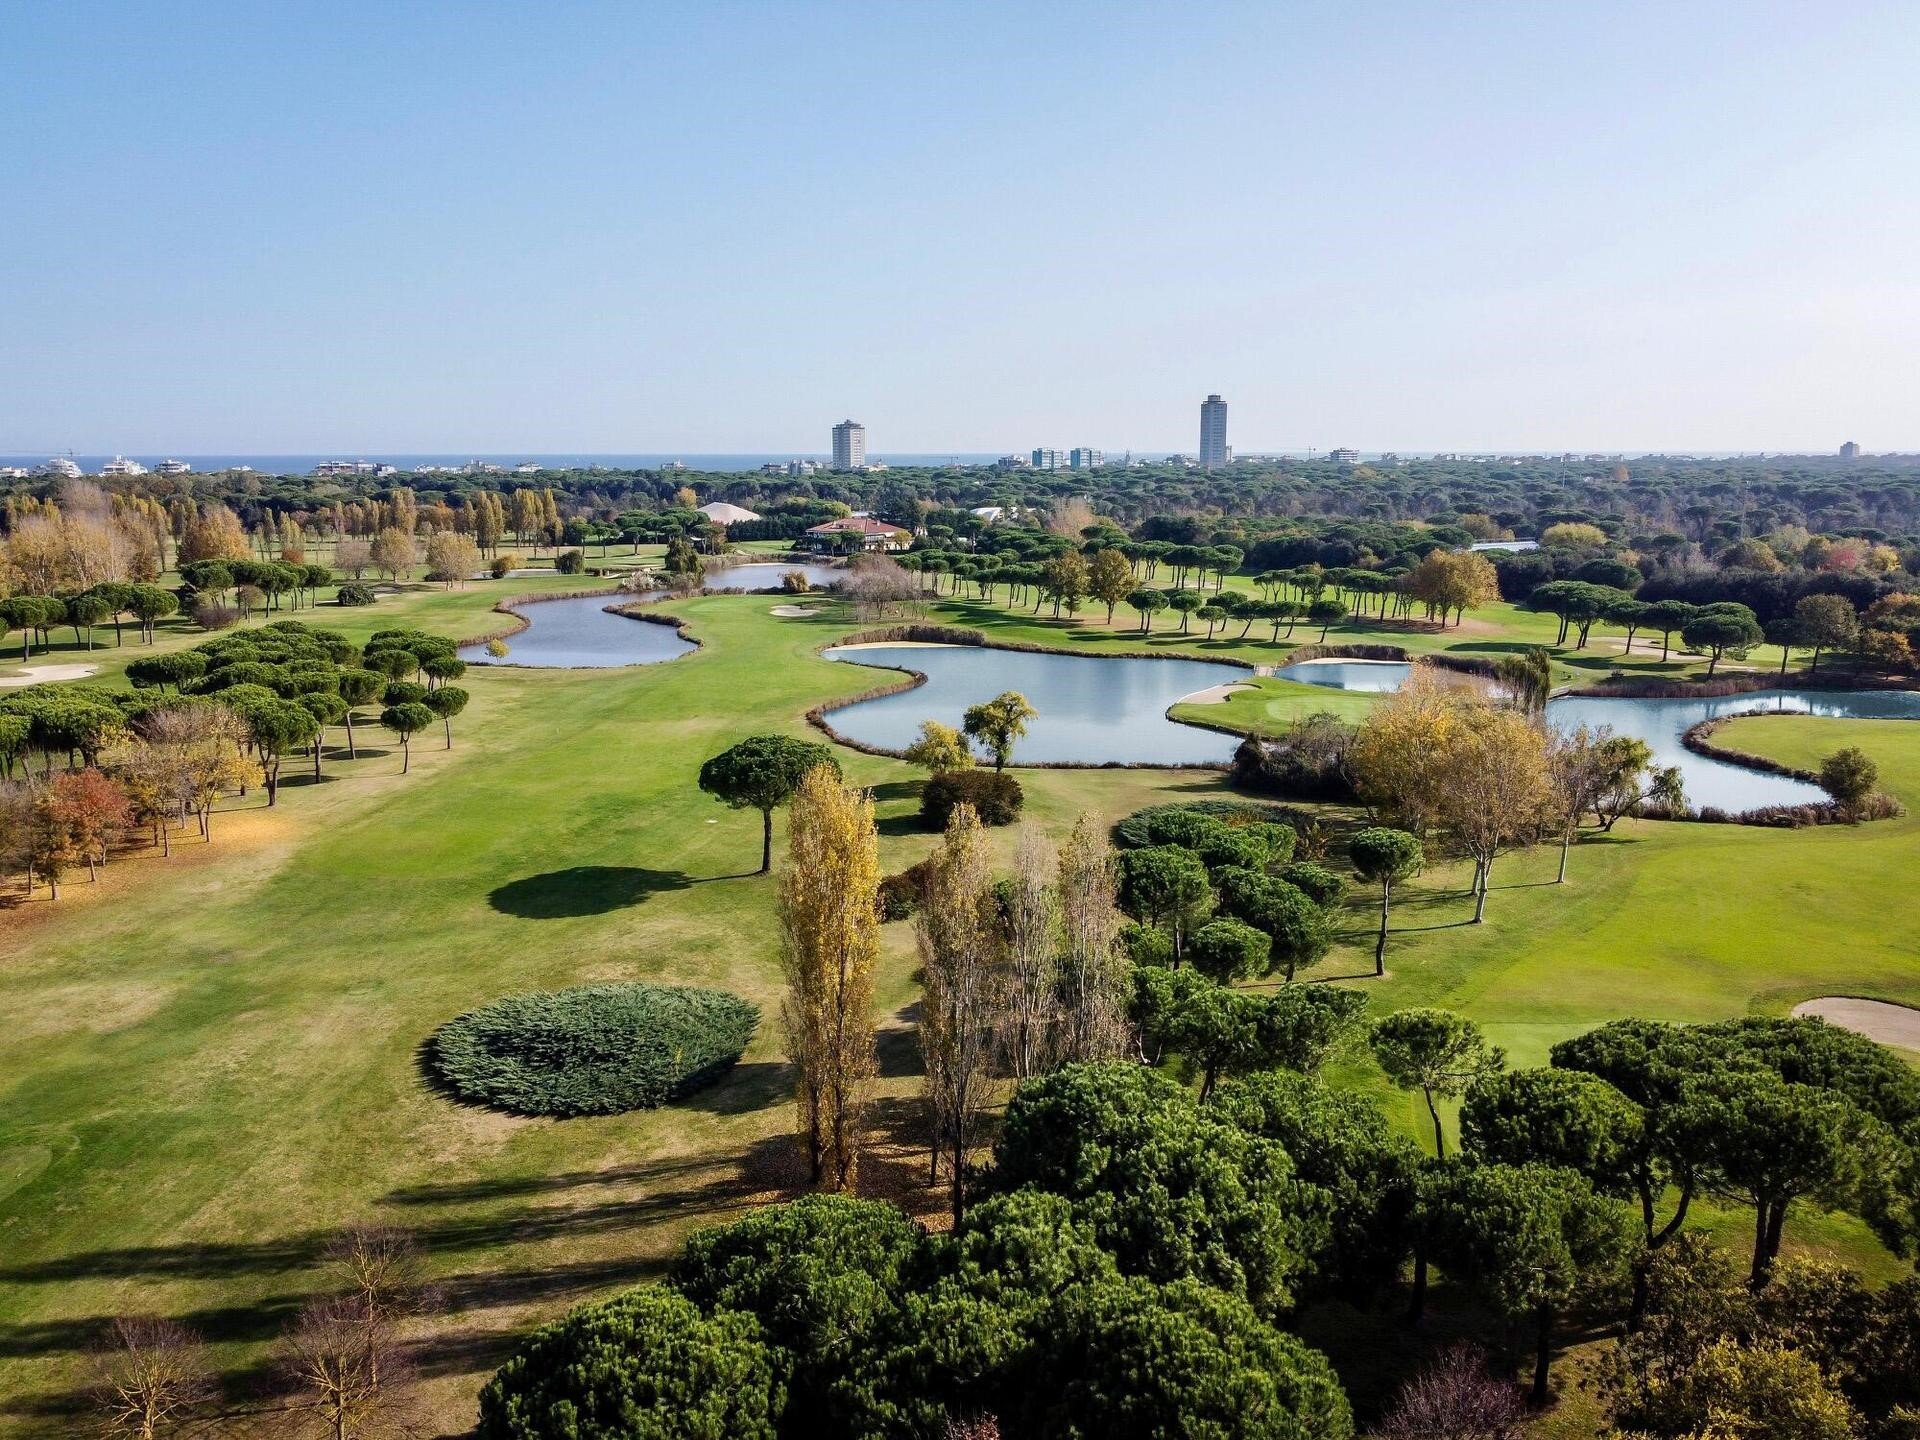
[579, 633]
[1105, 709]
[1661, 723]
[1093, 710]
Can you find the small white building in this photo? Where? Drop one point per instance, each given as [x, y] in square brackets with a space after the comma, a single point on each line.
[60, 467]
[173, 467]
[120, 465]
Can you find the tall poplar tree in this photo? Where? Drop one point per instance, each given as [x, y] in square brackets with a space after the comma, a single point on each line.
[830, 926]
[959, 944]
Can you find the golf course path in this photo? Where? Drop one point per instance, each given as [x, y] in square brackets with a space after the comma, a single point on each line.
[1897, 1025]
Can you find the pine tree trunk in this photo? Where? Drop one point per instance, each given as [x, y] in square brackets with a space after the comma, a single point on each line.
[1542, 1356]
[1380, 945]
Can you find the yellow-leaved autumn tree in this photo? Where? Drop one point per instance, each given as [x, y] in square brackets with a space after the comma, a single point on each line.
[1398, 756]
[830, 926]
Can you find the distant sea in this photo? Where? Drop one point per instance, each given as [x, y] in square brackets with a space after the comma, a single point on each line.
[302, 464]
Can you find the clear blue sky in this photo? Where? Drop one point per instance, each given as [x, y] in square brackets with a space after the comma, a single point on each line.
[480, 226]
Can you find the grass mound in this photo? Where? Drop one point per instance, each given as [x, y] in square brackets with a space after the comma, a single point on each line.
[593, 1050]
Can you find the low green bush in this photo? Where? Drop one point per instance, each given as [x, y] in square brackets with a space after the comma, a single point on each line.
[353, 593]
[995, 797]
[593, 1050]
[900, 894]
[1162, 824]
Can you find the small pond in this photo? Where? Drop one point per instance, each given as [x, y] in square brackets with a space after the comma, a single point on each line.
[1661, 723]
[1092, 710]
[578, 632]
[1374, 677]
[768, 576]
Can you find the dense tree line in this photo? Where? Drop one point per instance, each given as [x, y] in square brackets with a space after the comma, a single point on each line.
[200, 724]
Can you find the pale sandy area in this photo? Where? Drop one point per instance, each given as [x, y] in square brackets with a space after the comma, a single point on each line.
[795, 612]
[35, 674]
[1213, 694]
[1889, 1024]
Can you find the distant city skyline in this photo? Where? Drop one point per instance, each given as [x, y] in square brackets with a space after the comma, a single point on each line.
[324, 234]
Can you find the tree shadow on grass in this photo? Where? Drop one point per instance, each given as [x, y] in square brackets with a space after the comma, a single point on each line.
[478, 1288]
[754, 1085]
[583, 890]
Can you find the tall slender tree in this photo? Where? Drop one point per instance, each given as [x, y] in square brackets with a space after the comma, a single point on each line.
[1030, 908]
[1093, 979]
[956, 931]
[830, 927]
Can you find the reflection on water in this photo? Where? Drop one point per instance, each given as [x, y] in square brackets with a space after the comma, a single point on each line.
[1105, 709]
[1373, 677]
[577, 633]
[1661, 723]
[1092, 710]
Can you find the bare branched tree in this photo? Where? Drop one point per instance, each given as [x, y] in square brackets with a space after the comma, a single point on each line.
[880, 587]
[345, 1374]
[1031, 913]
[1455, 1398]
[152, 1377]
[384, 1268]
[957, 933]
[1093, 980]
[970, 1427]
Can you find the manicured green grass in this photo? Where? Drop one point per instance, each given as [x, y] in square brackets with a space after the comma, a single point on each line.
[211, 1061]
[1271, 705]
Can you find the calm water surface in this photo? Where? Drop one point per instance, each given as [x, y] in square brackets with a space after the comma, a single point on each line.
[1661, 723]
[1092, 710]
[1102, 709]
[577, 633]
[1374, 677]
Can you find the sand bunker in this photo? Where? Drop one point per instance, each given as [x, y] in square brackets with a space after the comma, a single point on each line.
[1889, 1024]
[794, 612]
[1213, 694]
[35, 674]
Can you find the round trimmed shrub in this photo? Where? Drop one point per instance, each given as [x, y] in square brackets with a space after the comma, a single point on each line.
[592, 1050]
[354, 593]
[995, 797]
